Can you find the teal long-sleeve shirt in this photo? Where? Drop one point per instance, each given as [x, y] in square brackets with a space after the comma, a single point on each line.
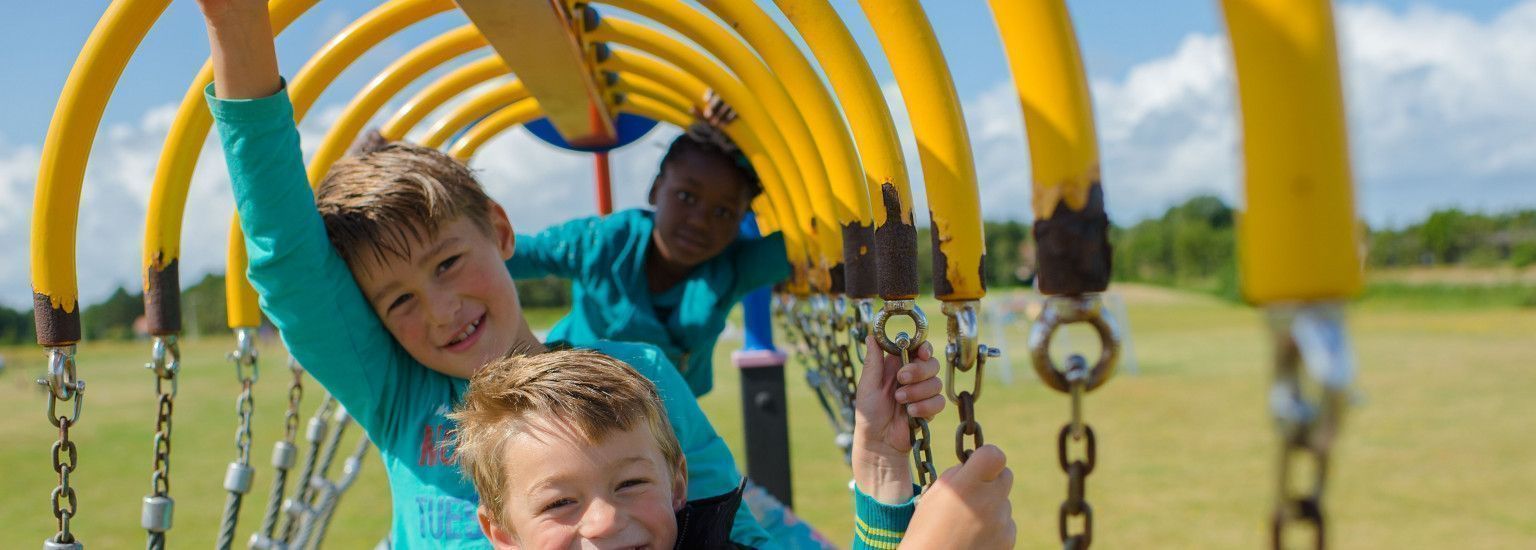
[604, 257]
[308, 292]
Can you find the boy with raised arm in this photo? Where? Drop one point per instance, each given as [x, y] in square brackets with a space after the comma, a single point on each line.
[394, 292]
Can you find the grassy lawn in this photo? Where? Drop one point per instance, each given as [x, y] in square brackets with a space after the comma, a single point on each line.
[1437, 454]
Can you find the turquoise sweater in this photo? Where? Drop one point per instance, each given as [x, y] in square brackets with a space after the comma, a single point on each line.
[310, 295]
[605, 259]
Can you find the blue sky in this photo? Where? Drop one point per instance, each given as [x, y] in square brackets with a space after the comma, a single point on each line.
[1441, 96]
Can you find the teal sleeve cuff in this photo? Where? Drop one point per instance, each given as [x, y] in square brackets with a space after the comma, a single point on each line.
[250, 110]
[880, 525]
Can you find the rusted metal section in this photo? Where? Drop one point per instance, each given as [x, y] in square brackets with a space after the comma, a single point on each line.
[56, 326]
[837, 275]
[859, 257]
[162, 297]
[1072, 248]
[896, 246]
[943, 285]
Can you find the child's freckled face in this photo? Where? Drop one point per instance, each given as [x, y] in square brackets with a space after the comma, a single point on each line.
[563, 492]
[699, 200]
[452, 304]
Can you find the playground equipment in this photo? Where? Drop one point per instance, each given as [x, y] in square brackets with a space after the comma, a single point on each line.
[835, 185]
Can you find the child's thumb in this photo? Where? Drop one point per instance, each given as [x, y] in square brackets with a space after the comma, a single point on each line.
[985, 464]
[873, 369]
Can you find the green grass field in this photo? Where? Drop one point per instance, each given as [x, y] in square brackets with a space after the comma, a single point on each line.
[1439, 452]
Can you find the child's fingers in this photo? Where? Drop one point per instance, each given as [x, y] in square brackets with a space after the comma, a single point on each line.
[919, 391]
[927, 408]
[916, 371]
[925, 351]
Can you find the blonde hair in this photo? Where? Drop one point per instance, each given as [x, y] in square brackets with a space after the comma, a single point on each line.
[597, 394]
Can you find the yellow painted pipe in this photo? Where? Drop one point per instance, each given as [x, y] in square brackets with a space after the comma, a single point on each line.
[631, 84]
[389, 82]
[944, 147]
[440, 91]
[849, 191]
[741, 132]
[818, 196]
[863, 102]
[639, 68]
[316, 75]
[56, 206]
[1048, 73]
[1298, 236]
[468, 112]
[786, 197]
[511, 116]
[173, 178]
[1067, 197]
[874, 133]
[794, 244]
[789, 86]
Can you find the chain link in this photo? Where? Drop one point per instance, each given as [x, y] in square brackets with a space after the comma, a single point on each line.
[237, 478]
[1077, 470]
[156, 515]
[921, 438]
[63, 385]
[1312, 350]
[284, 453]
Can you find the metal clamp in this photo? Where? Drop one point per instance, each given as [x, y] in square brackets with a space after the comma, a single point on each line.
[1064, 310]
[245, 354]
[165, 362]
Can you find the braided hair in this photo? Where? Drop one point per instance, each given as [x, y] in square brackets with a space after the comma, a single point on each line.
[703, 139]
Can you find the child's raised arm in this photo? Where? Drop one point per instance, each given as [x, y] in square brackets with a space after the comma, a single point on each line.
[240, 40]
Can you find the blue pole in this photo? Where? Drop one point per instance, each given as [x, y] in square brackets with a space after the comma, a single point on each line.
[764, 410]
[755, 306]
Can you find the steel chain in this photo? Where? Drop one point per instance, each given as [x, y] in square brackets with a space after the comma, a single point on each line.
[1077, 470]
[237, 478]
[284, 453]
[63, 386]
[156, 515]
[921, 438]
[1313, 350]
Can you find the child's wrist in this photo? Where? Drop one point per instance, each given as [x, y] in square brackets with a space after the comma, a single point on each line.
[885, 477]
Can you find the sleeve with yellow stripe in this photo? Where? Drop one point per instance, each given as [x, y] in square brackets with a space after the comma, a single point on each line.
[878, 525]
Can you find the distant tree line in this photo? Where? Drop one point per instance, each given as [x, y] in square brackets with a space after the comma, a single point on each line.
[1191, 245]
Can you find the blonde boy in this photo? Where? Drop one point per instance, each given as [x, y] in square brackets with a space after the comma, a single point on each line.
[571, 449]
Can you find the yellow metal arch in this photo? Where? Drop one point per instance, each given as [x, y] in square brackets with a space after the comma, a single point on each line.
[517, 114]
[173, 178]
[56, 207]
[389, 82]
[817, 198]
[1297, 236]
[1067, 197]
[849, 192]
[944, 146]
[783, 74]
[440, 91]
[778, 190]
[795, 246]
[466, 113]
